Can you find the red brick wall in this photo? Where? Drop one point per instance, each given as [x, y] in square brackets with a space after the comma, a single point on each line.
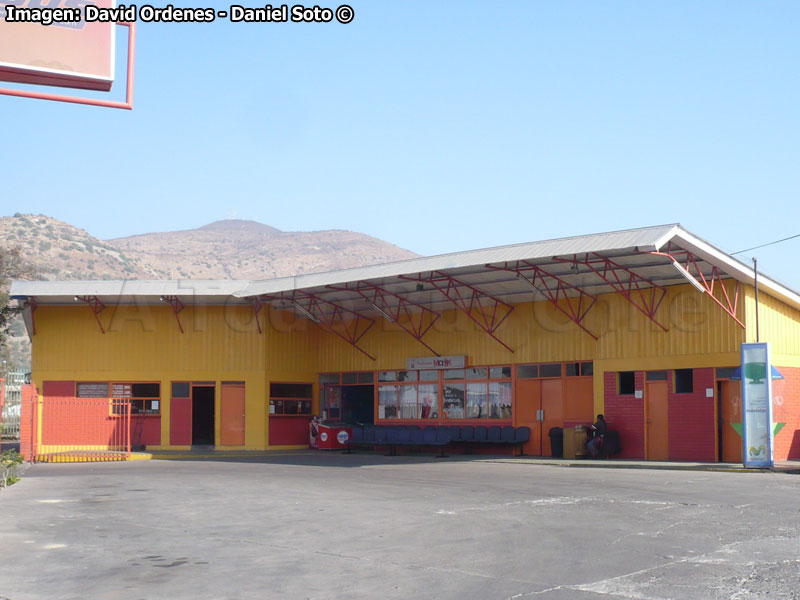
[691, 419]
[786, 409]
[625, 414]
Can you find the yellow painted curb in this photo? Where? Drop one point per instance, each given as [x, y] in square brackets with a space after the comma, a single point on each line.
[217, 455]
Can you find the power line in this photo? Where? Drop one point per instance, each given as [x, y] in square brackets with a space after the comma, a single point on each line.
[791, 237]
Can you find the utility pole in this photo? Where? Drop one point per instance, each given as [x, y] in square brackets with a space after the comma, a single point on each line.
[755, 277]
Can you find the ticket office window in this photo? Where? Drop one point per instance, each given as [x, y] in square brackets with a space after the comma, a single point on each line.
[144, 398]
[290, 398]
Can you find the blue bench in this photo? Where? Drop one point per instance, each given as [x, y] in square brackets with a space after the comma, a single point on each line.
[399, 435]
[411, 435]
[494, 434]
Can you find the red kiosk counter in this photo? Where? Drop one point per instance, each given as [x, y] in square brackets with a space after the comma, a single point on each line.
[333, 436]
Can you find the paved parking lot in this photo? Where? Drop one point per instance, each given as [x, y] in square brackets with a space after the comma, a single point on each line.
[360, 526]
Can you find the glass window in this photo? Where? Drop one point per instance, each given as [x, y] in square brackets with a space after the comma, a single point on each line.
[289, 407]
[551, 370]
[656, 376]
[587, 368]
[683, 381]
[146, 390]
[429, 375]
[408, 402]
[407, 376]
[479, 373]
[144, 398]
[92, 389]
[387, 376]
[291, 390]
[454, 373]
[291, 398]
[527, 371]
[725, 372]
[330, 378]
[330, 402]
[573, 369]
[181, 389]
[366, 377]
[476, 401]
[429, 401]
[500, 400]
[349, 377]
[454, 400]
[627, 382]
[500, 373]
[387, 402]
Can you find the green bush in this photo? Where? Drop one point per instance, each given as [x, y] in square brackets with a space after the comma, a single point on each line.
[9, 460]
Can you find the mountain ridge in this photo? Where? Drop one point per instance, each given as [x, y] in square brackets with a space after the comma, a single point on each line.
[225, 249]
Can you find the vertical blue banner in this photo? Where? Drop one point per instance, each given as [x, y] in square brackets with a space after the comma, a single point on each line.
[756, 405]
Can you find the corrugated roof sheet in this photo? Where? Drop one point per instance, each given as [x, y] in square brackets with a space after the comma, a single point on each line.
[470, 264]
[645, 238]
[127, 288]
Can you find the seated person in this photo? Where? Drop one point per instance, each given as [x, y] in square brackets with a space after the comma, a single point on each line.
[598, 430]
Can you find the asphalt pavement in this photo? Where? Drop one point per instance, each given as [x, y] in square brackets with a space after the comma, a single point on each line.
[306, 525]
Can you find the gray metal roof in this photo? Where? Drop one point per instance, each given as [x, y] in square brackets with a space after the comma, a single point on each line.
[479, 268]
[644, 238]
[127, 291]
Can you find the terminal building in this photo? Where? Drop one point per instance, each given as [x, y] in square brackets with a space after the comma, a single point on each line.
[643, 325]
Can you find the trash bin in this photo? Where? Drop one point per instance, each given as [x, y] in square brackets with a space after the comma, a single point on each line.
[556, 435]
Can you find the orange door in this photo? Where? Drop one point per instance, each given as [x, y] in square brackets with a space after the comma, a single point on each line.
[579, 399]
[730, 413]
[656, 419]
[552, 409]
[527, 403]
[232, 415]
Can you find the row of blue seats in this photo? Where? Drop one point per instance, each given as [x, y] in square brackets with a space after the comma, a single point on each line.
[411, 435]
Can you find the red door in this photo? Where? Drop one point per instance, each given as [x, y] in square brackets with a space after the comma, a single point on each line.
[180, 422]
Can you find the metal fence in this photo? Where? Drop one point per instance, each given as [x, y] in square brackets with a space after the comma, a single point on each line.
[12, 404]
[68, 429]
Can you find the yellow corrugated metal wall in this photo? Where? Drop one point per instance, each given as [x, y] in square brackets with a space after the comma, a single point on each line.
[700, 334]
[778, 324]
[144, 344]
[292, 354]
[223, 344]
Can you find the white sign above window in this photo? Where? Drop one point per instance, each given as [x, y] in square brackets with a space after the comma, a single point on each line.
[437, 362]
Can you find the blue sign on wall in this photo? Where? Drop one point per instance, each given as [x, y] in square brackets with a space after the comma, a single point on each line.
[756, 405]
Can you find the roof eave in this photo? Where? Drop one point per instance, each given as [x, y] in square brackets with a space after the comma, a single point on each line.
[733, 267]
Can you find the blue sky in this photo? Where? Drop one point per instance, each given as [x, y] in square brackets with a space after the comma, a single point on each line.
[440, 126]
